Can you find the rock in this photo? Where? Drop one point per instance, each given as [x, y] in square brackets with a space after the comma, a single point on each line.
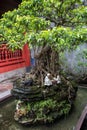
[43, 104]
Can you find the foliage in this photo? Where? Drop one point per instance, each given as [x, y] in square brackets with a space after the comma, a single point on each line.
[58, 23]
[46, 109]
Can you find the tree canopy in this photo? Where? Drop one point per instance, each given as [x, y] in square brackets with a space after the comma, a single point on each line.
[53, 25]
[58, 23]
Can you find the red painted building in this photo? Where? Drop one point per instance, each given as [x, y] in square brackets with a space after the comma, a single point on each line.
[10, 61]
[13, 60]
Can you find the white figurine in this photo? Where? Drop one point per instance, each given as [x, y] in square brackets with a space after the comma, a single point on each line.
[57, 80]
[18, 105]
[47, 82]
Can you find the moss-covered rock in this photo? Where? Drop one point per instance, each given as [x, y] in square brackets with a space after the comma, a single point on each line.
[43, 104]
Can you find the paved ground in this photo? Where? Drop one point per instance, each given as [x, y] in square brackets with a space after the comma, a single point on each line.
[5, 89]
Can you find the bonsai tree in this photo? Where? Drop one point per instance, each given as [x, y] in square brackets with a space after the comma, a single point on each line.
[49, 27]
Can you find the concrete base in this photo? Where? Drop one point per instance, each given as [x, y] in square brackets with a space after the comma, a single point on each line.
[10, 74]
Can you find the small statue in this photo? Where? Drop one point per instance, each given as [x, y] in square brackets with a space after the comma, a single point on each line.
[56, 80]
[48, 81]
[18, 105]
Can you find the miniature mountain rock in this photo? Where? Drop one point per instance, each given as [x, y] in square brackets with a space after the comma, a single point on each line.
[42, 104]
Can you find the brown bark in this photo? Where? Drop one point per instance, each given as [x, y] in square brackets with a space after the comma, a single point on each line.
[46, 62]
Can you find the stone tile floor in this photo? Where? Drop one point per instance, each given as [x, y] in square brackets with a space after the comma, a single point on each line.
[5, 89]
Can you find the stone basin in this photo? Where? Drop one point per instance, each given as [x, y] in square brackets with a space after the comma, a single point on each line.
[82, 122]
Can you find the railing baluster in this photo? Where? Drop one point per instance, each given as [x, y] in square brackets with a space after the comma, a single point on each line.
[10, 60]
[6, 54]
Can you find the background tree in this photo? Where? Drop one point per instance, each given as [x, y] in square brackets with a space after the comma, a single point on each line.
[51, 25]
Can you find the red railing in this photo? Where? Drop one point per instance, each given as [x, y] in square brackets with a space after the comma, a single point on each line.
[10, 60]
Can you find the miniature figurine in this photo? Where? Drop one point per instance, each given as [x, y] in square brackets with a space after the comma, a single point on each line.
[56, 80]
[48, 81]
[18, 105]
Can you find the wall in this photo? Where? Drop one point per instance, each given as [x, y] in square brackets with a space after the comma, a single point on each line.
[13, 60]
[10, 74]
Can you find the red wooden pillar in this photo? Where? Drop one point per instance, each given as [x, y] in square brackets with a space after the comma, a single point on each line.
[26, 55]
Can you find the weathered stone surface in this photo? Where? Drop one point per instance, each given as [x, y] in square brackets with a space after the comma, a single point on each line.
[42, 104]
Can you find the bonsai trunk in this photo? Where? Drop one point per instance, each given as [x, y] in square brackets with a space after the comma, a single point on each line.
[47, 61]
